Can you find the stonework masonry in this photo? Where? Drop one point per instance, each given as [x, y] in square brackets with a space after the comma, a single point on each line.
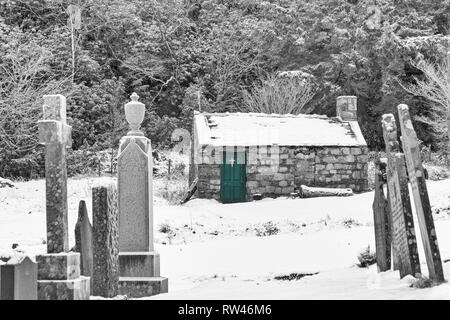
[279, 174]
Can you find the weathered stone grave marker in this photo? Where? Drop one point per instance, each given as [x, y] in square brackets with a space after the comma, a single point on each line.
[83, 240]
[404, 238]
[138, 262]
[381, 212]
[105, 240]
[18, 279]
[56, 135]
[58, 270]
[420, 194]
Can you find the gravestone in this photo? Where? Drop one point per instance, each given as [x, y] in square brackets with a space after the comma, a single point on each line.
[58, 270]
[105, 240]
[83, 241]
[381, 212]
[404, 238]
[56, 135]
[18, 279]
[416, 176]
[138, 262]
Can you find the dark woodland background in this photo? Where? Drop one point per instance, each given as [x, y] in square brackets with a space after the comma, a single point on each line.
[170, 50]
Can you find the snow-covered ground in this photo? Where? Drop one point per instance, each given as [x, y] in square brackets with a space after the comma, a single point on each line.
[224, 251]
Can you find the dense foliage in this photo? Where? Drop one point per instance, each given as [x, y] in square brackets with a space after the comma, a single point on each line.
[177, 53]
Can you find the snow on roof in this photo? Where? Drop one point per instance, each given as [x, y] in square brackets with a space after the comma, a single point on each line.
[253, 129]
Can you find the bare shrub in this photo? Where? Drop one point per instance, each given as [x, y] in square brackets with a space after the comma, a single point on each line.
[24, 78]
[172, 184]
[279, 94]
[435, 87]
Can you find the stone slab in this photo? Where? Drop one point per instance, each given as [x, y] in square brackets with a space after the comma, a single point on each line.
[105, 240]
[134, 165]
[58, 266]
[381, 212]
[83, 241]
[134, 287]
[402, 222]
[420, 195]
[403, 231]
[139, 264]
[18, 279]
[76, 289]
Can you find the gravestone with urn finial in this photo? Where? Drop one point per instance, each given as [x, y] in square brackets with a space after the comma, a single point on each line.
[58, 270]
[138, 262]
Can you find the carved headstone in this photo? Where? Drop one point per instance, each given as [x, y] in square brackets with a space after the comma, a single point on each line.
[381, 212]
[135, 195]
[18, 279]
[138, 262]
[105, 240]
[83, 240]
[403, 232]
[58, 270]
[420, 194]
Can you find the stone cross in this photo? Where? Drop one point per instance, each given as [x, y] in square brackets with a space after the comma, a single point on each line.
[420, 194]
[55, 134]
[58, 271]
[403, 233]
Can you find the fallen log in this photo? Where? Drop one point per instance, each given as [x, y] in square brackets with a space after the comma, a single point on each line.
[312, 192]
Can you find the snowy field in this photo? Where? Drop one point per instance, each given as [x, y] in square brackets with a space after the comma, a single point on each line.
[234, 251]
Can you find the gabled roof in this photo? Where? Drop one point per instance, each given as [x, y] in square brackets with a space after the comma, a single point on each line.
[252, 129]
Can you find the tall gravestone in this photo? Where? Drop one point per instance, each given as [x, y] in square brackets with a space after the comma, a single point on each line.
[58, 270]
[404, 238]
[416, 176]
[138, 262]
[83, 240]
[381, 212]
[105, 240]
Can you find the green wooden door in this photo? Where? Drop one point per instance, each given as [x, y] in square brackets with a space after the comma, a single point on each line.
[232, 177]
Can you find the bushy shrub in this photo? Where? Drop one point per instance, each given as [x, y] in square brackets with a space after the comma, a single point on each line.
[267, 229]
[294, 276]
[366, 258]
[167, 229]
[350, 222]
[421, 283]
